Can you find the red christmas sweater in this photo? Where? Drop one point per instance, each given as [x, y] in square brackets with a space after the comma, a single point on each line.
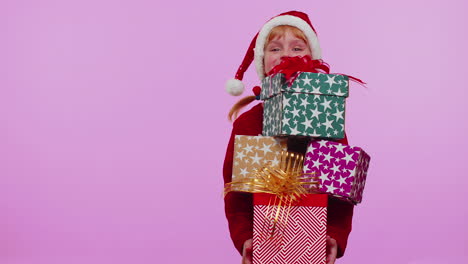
[239, 206]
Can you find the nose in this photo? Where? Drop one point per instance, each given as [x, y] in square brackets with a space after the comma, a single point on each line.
[286, 53]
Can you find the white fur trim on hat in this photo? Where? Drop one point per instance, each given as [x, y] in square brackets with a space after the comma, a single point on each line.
[279, 21]
[234, 87]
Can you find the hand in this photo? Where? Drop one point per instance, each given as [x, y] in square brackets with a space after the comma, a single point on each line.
[247, 252]
[332, 249]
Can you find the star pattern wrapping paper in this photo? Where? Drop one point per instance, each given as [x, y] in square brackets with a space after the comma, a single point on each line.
[254, 152]
[314, 105]
[342, 169]
[307, 82]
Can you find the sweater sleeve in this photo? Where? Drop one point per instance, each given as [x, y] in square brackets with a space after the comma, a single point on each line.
[340, 215]
[238, 206]
[339, 219]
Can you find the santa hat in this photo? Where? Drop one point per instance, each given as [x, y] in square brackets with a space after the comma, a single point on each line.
[256, 49]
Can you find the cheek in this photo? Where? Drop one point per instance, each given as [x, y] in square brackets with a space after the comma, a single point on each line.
[270, 61]
[306, 52]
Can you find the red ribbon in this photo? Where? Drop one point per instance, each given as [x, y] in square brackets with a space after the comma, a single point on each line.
[291, 67]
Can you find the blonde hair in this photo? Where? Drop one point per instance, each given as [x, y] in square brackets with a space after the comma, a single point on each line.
[276, 32]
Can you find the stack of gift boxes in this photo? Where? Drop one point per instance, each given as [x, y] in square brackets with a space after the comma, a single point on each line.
[312, 107]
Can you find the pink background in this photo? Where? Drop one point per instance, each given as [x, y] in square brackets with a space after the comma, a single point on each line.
[113, 126]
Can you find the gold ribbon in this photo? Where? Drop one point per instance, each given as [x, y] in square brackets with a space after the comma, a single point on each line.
[286, 181]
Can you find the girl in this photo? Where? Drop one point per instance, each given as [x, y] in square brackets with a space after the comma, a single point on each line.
[289, 34]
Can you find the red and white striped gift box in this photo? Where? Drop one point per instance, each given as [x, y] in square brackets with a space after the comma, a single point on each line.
[294, 234]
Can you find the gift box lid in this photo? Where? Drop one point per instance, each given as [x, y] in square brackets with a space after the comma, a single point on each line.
[306, 82]
[310, 199]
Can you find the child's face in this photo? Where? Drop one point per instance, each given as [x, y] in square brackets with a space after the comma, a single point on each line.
[286, 45]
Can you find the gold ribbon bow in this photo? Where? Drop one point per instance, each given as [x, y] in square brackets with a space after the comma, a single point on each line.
[286, 181]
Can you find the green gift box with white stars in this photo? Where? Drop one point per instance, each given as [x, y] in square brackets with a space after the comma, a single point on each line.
[313, 105]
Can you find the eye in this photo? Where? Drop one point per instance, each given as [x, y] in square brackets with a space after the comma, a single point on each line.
[274, 49]
[298, 49]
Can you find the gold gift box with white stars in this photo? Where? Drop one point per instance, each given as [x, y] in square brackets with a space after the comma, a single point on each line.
[255, 152]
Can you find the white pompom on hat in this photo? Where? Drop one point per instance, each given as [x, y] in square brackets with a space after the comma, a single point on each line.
[256, 48]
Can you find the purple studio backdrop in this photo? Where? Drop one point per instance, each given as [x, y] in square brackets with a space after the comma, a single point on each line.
[114, 129]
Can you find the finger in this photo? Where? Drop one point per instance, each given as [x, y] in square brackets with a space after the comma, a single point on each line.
[333, 251]
[247, 259]
[248, 243]
[247, 252]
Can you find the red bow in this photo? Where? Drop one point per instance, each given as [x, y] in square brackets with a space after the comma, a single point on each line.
[291, 67]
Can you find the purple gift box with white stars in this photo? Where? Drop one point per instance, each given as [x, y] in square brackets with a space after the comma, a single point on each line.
[341, 169]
